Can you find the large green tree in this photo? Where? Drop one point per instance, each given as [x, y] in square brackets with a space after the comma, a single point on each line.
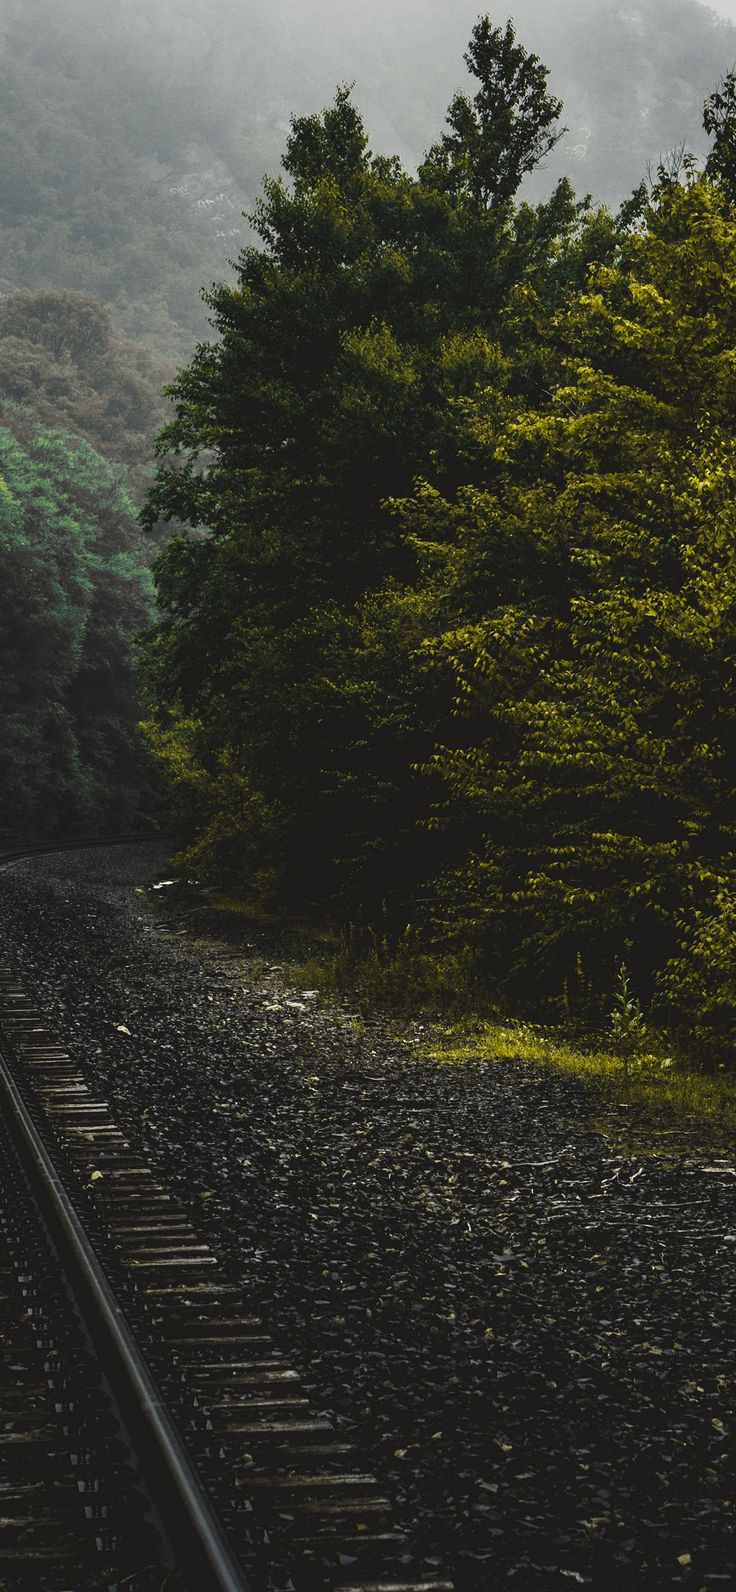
[454, 626]
[339, 351]
[578, 599]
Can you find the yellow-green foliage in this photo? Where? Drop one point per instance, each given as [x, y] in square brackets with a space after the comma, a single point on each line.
[460, 646]
[669, 1093]
[234, 836]
[585, 779]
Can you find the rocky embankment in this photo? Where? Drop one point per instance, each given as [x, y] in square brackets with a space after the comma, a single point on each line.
[527, 1328]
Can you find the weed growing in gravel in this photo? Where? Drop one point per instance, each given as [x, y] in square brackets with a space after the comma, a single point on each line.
[628, 1029]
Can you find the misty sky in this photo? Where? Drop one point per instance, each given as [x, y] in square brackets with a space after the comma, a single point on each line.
[135, 133]
[632, 73]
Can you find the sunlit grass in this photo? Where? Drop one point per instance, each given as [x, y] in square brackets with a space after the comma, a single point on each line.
[234, 906]
[403, 981]
[666, 1088]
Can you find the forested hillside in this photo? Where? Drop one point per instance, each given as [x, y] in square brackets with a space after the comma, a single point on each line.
[79, 409]
[62, 360]
[134, 136]
[72, 596]
[456, 657]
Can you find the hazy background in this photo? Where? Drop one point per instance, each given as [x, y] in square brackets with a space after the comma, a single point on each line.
[135, 132]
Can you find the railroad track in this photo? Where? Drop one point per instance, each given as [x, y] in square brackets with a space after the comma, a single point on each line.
[182, 1451]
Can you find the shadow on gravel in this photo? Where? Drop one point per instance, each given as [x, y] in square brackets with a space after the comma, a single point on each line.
[524, 1322]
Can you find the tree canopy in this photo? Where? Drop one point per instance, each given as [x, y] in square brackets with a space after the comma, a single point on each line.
[506, 130]
[581, 596]
[367, 312]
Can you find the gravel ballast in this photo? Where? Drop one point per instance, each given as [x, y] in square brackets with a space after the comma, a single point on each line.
[526, 1328]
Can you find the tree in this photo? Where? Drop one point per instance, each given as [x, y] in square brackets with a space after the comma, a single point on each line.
[505, 131]
[719, 120]
[579, 603]
[338, 349]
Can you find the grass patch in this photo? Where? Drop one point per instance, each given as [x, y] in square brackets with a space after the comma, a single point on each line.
[665, 1088]
[237, 907]
[380, 975]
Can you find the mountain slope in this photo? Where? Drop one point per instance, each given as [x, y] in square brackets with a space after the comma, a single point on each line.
[134, 136]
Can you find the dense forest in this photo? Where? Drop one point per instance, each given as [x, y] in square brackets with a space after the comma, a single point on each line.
[79, 409]
[456, 654]
[444, 631]
[73, 594]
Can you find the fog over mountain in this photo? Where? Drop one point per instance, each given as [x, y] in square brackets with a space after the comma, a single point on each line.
[134, 135]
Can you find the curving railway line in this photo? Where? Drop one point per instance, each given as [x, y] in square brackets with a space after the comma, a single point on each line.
[152, 1435]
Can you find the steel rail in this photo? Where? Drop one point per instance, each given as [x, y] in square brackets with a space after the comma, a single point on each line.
[189, 1518]
[191, 1523]
[337, 1491]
